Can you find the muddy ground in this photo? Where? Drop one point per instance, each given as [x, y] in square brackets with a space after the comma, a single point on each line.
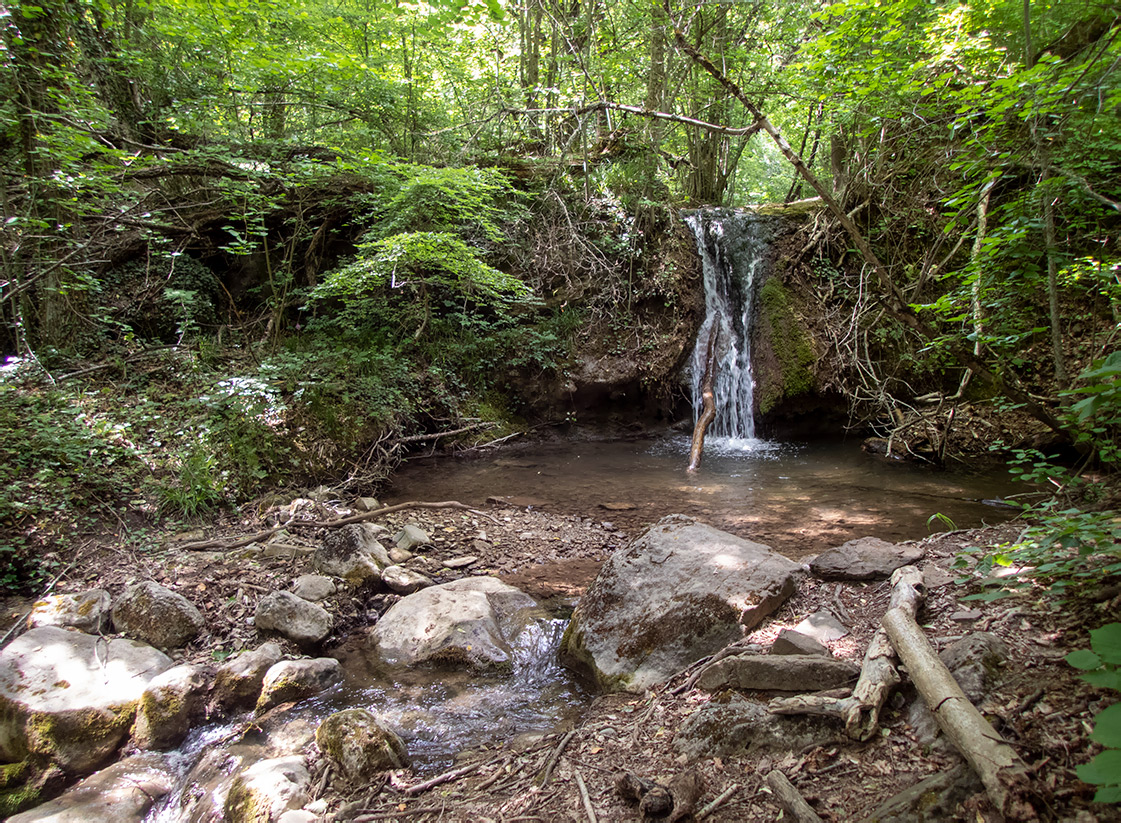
[1040, 706]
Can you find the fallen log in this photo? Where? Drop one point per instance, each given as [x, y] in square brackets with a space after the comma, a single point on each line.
[860, 710]
[791, 799]
[1003, 773]
[708, 399]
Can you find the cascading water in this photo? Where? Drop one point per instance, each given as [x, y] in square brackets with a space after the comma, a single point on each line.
[731, 245]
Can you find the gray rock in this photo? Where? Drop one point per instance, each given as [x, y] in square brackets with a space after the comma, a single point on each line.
[69, 698]
[291, 680]
[87, 611]
[121, 793]
[792, 642]
[267, 789]
[966, 615]
[778, 672]
[460, 562]
[293, 617]
[731, 725]
[681, 591]
[411, 536]
[173, 701]
[156, 615]
[468, 623]
[352, 553]
[313, 587]
[367, 504]
[237, 683]
[865, 558]
[822, 627]
[404, 581]
[358, 746]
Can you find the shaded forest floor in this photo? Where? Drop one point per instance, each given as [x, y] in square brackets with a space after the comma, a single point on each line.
[1039, 704]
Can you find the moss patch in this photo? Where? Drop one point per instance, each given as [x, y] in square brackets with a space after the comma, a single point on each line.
[792, 348]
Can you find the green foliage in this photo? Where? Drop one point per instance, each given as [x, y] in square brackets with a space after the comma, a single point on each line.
[195, 489]
[1102, 667]
[59, 469]
[461, 201]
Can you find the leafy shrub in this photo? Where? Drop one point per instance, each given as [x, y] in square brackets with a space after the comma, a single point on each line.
[57, 471]
[1102, 667]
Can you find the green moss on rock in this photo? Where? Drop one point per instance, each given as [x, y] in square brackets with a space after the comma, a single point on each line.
[792, 348]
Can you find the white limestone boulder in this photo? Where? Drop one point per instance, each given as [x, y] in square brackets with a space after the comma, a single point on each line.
[467, 623]
[70, 698]
[87, 611]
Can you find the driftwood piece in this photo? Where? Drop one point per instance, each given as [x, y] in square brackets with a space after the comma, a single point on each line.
[791, 799]
[708, 399]
[860, 710]
[223, 545]
[1001, 770]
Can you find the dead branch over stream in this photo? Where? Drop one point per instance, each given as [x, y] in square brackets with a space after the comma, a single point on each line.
[708, 399]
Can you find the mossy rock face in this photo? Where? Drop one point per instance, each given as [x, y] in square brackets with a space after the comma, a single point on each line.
[24, 785]
[786, 357]
[169, 706]
[291, 680]
[358, 746]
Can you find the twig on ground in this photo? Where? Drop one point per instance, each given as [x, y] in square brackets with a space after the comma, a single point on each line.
[554, 757]
[709, 808]
[588, 807]
[447, 777]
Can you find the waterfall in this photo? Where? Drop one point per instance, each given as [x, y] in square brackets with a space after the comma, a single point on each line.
[731, 245]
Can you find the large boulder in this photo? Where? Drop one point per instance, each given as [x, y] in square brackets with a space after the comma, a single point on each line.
[69, 698]
[291, 680]
[267, 789]
[121, 793]
[732, 725]
[353, 553]
[87, 611]
[358, 746]
[678, 593]
[293, 617]
[156, 615]
[467, 623]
